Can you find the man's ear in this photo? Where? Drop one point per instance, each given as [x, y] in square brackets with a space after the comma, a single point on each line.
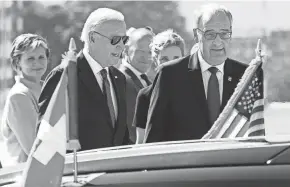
[91, 37]
[126, 49]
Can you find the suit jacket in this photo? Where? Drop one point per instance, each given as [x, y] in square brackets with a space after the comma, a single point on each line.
[178, 107]
[141, 108]
[94, 124]
[134, 85]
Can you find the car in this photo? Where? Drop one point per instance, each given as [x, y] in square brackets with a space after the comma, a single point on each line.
[241, 162]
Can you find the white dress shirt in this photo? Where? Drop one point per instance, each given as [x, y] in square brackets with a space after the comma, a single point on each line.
[96, 68]
[136, 72]
[206, 74]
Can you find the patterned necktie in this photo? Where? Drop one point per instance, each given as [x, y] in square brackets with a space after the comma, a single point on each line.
[213, 95]
[108, 96]
[145, 78]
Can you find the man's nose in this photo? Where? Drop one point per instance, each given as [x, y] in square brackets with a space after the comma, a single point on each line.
[217, 40]
[146, 57]
[120, 46]
[35, 62]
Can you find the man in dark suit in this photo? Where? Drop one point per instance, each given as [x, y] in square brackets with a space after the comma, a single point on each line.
[101, 87]
[189, 93]
[136, 62]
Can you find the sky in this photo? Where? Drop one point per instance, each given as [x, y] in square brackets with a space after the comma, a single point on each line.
[250, 16]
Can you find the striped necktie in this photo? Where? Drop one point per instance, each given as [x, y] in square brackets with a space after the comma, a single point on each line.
[108, 96]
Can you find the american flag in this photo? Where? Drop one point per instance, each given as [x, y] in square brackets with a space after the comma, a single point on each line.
[243, 114]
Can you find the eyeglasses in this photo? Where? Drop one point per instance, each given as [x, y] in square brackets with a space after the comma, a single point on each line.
[210, 35]
[115, 39]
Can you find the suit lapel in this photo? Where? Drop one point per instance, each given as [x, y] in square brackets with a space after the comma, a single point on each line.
[134, 78]
[229, 83]
[88, 78]
[196, 86]
[119, 87]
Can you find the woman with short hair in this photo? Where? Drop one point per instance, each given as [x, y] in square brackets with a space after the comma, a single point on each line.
[29, 57]
[166, 46]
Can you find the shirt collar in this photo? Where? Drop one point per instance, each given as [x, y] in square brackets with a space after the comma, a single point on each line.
[204, 66]
[95, 66]
[135, 71]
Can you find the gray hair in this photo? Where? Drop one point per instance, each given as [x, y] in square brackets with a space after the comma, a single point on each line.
[98, 17]
[130, 30]
[139, 33]
[207, 11]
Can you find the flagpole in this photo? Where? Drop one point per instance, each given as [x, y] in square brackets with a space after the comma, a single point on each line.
[72, 128]
[75, 166]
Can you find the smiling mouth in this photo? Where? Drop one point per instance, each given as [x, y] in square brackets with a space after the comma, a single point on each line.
[38, 69]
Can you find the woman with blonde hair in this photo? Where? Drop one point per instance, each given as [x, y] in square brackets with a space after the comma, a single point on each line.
[166, 46]
[29, 58]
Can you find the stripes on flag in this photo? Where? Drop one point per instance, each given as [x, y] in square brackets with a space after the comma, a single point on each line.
[228, 123]
[257, 126]
[233, 125]
[239, 122]
[244, 113]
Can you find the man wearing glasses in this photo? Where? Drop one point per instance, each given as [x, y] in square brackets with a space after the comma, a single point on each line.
[101, 87]
[189, 93]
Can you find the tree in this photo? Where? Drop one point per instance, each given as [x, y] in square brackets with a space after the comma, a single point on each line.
[59, 23]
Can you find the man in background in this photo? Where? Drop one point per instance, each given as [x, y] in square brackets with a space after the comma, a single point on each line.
[136, 61]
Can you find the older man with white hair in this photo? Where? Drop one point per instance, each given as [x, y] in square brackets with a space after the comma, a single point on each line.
[189, 93]
[101, 87]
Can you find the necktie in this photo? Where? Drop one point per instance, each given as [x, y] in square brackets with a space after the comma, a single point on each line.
[145, 78]
[108, 96]
[213, 95]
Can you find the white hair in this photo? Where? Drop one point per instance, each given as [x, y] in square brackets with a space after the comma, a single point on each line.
[129, 31]
[98, 17]
[194, 49]
[208, 10]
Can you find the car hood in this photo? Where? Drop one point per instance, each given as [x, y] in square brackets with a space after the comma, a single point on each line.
[180, 154]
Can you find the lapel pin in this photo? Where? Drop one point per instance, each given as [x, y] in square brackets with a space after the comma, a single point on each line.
[230, 79]
[116, 77]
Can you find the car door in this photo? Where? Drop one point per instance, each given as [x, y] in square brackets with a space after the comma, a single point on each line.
[239, 166]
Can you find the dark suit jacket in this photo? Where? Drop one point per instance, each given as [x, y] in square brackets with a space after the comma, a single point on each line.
[141, 108]
[178, 107]
[134, 85]
[95, 128]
